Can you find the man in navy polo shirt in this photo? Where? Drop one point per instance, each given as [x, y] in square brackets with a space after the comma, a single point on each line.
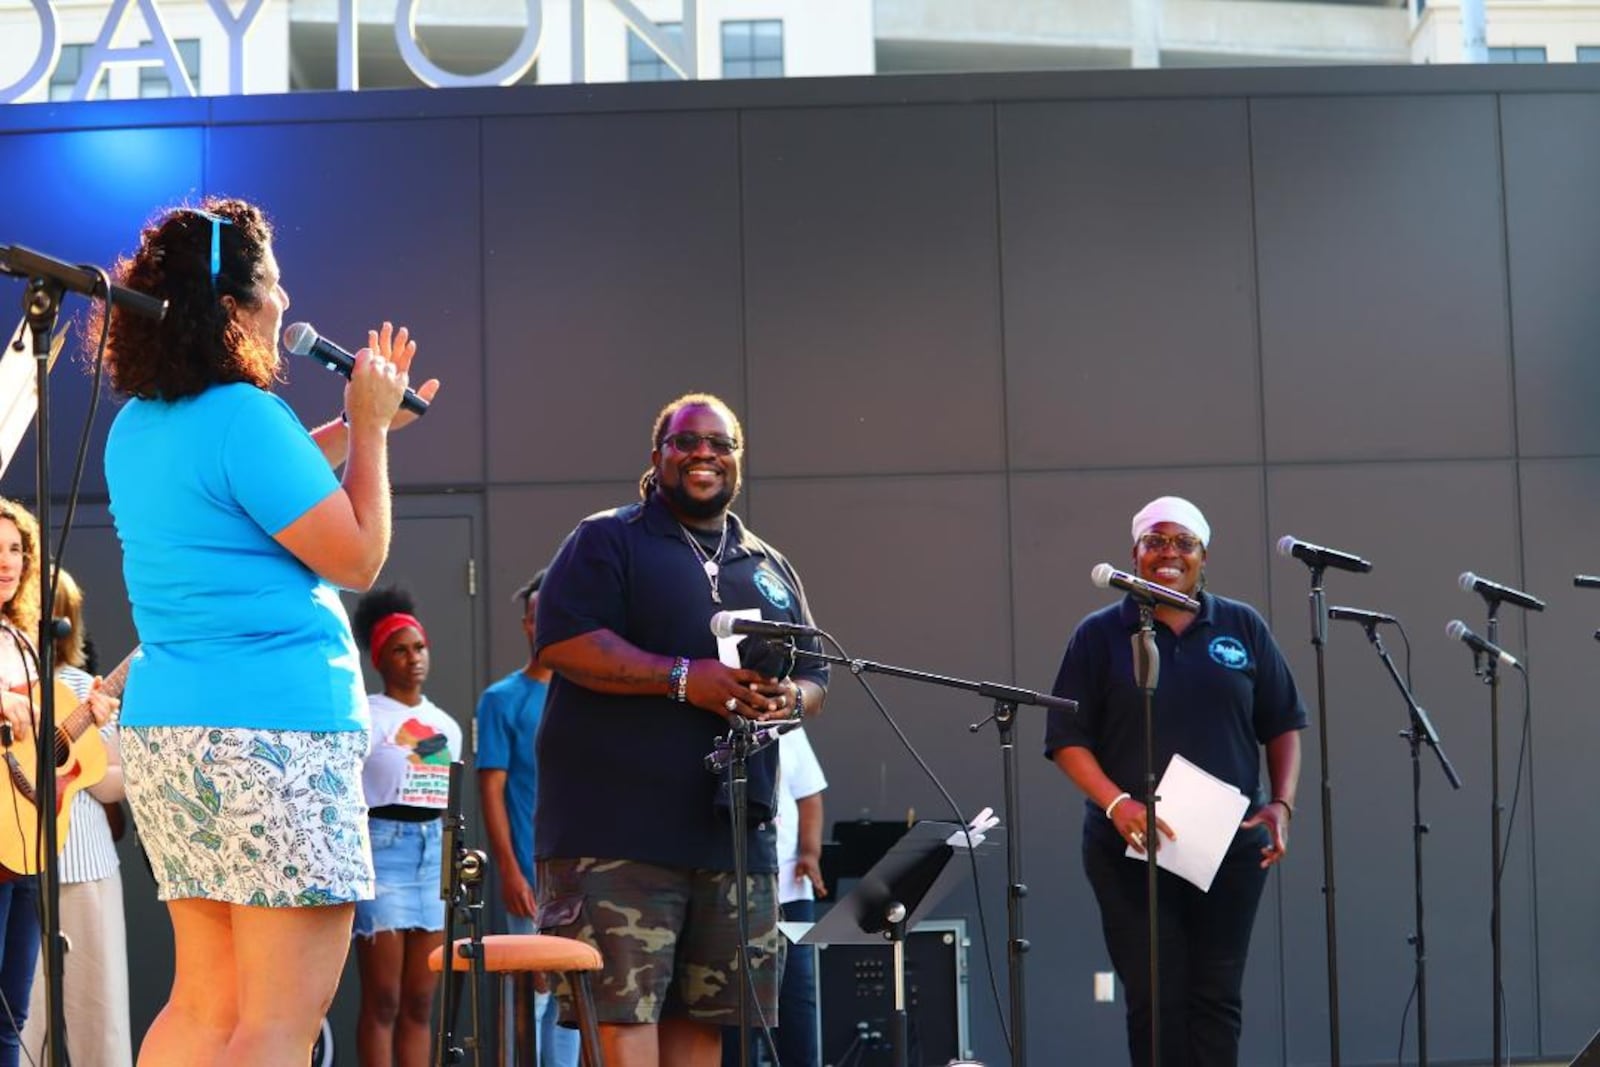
[633, 836]
[1224, 694]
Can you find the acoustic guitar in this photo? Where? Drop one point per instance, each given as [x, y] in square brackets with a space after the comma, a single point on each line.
[80, 761]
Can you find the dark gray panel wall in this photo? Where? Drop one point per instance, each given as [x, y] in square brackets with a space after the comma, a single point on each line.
[972, 325]
[391, 239]
[1561, 509]
[872, 295]
[611, 260]
[1129, 283]
[1552, 164]
[1382, 277]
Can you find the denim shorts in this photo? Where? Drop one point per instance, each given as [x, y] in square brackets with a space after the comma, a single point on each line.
[406, 857]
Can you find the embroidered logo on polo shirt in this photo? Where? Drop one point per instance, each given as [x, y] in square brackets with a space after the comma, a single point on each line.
[1230, 652]
[773, 589]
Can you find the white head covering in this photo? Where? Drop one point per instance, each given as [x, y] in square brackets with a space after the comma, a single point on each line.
[1171, 509]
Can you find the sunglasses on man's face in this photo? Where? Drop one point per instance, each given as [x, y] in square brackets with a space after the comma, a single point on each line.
[689, 443]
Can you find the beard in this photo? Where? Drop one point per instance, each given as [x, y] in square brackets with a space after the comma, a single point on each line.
[694, 507]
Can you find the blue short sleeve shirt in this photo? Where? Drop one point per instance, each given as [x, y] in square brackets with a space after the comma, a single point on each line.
[234, 630]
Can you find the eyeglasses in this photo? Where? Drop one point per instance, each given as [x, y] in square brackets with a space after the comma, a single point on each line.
[688, 443]
[217, 222]
[1186, 544]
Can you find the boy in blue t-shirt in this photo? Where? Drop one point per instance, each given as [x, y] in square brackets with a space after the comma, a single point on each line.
[508, 721]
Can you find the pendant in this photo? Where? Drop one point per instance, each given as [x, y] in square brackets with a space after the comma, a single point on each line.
[711, 569]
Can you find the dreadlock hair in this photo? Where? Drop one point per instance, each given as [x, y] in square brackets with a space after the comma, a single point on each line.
[647, 480]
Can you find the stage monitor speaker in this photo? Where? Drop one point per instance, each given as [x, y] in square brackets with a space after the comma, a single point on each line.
[1590, 1055]
[857, 998]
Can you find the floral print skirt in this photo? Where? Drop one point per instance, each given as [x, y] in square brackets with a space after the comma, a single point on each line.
[272, 818]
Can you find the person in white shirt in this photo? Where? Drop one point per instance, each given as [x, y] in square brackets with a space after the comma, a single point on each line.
[95, 973]
[799, 826]
[406, 779]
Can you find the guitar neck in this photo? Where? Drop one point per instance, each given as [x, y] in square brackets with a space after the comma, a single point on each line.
[113, 683]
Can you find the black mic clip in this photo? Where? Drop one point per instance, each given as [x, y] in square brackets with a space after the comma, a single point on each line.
[745, 738]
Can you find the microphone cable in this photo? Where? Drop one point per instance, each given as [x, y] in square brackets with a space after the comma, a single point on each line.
[961, 820]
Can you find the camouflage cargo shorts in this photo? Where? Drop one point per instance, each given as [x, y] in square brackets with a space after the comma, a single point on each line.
[669, 937]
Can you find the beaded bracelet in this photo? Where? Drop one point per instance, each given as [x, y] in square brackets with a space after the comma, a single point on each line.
[799, 701]
[678, 680]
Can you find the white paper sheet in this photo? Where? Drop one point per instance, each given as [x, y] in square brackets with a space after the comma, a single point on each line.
[1204, 811]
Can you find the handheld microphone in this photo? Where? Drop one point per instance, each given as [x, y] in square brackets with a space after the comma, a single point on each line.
[1105, 575]
[727, 624]
[301, 339]
[1493, 591]
[721, 757]
[1317, 556]
[1458, 630]
[1365, 618]
[1586, 581]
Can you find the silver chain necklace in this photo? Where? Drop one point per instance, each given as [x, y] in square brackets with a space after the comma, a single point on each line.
[711, 564]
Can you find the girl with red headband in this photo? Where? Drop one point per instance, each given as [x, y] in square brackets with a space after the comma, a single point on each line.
[406, 780]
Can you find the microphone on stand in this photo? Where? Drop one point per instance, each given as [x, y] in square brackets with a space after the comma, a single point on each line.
[301, 339]
[1364, 617]
[1105, 575]
[1458, 630]
[1494, 591]
[727, 624]
[1317, 556]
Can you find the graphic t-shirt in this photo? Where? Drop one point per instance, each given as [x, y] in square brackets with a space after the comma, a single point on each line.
[408, 759]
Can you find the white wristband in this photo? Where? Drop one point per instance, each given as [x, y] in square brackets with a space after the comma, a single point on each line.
[1118, 799]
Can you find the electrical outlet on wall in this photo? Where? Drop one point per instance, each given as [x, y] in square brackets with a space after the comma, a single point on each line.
[1105, 987]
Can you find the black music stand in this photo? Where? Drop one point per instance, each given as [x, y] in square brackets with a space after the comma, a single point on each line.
[895, 895]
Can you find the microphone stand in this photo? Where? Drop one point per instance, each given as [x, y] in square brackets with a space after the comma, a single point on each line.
[1319, 641]
[1491, 677]
[738, 744]
[1006, 700]
[1146, 673]
[1418, 732]
[461, 888]
[43, 305]
[49, 279]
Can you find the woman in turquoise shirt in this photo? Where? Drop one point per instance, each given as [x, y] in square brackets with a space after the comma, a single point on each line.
[244, 721]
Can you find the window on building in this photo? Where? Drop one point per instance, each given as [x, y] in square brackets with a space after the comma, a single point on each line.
[752, 49]
[1589, 53]
[645, 63]
[153, 81]
[1522, 54]
[68, 68]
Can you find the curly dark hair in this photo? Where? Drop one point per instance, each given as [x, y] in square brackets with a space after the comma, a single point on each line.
[375, 605]
[199, 343]
[647, 480]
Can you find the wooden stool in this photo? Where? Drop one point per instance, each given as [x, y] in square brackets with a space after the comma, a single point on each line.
[521, 956]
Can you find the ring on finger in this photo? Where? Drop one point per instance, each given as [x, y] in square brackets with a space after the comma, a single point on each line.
[732, 704]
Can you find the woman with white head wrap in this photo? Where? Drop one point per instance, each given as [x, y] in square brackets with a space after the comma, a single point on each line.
[1224, 695]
